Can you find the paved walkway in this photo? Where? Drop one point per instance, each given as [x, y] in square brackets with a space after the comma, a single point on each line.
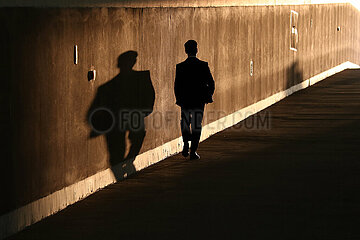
[297, 179]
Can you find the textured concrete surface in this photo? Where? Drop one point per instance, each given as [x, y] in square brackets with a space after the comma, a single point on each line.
[296, 176]
[45, 136]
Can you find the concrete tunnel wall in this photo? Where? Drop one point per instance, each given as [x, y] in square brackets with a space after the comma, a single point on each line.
[45, 97]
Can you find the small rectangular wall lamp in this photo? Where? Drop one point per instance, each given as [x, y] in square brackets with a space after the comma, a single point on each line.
[92, 75]
[251, 68]
[76, 55]
[294, 35]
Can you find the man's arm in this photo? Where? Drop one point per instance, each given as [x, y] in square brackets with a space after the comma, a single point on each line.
[210, 81]
[177, 85]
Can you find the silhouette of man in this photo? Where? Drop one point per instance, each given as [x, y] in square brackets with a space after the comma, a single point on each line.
[194, 87]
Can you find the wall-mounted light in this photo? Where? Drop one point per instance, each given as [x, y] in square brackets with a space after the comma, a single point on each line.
[76, 54]
[91, 74]
[294, 35]
[251, 68]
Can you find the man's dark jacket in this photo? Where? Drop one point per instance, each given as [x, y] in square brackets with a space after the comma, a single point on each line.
[194, 84]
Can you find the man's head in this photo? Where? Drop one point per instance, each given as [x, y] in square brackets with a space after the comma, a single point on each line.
[191, 47]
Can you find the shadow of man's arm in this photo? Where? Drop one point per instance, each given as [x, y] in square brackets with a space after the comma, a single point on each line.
[149, 94]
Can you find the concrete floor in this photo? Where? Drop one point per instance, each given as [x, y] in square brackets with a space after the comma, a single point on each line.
[296, 178]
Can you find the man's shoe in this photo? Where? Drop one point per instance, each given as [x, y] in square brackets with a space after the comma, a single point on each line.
[194, 156]
[185, 151]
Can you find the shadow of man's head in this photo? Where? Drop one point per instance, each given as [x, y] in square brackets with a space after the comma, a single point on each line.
[127, 60]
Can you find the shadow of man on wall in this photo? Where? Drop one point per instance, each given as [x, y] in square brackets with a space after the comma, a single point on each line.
[118, 112]
[294, 75]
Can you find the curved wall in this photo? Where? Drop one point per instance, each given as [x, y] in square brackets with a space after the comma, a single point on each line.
[47, 143]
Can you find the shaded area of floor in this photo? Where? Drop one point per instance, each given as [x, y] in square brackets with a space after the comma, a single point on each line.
[296, 178]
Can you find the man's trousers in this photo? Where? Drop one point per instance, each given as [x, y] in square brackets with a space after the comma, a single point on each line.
[191, 119]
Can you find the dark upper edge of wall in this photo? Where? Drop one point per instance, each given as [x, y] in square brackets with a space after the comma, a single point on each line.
[161, 3]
